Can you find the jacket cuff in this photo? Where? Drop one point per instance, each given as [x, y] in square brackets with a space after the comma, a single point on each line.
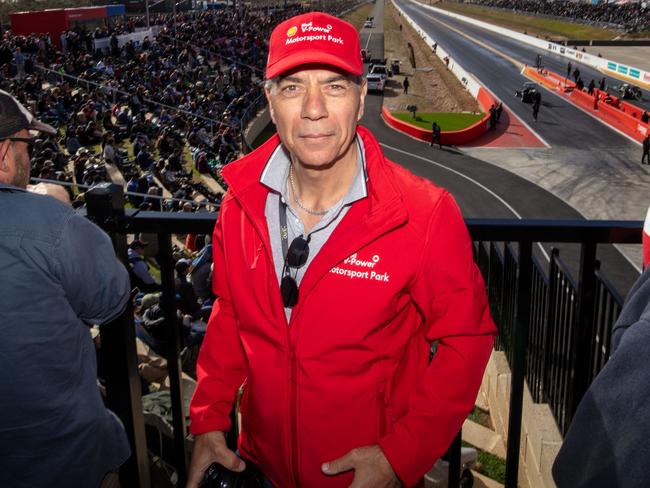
[401, 459]
[201, 426]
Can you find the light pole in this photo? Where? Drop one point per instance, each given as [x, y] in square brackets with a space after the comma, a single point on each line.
[146, 6]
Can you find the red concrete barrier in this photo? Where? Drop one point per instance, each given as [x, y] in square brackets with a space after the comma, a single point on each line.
[455, 137]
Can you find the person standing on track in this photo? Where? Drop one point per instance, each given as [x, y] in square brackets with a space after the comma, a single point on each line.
[436, 134]
[537, 102]
[646, 150]
[336, 270]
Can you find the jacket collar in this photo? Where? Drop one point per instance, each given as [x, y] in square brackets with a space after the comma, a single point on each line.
[243, 177]
[368, 219]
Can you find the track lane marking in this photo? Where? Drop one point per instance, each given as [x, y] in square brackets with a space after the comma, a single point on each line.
[470, 179]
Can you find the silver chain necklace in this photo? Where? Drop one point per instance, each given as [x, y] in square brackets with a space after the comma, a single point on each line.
[297, 199]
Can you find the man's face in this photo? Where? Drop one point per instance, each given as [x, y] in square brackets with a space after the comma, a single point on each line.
[15, 164]
[316, 113]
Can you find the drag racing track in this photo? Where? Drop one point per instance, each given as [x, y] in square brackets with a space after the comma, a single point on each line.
[483, 190]
[523, 53]
[490, 58]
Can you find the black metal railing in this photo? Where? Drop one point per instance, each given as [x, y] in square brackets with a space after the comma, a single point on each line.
[542, 314]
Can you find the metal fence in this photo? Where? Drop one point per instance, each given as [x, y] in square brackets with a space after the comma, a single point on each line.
[550, 350]
[542, 316]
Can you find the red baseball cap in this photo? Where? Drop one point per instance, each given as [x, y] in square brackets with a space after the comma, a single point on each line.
[313, 38]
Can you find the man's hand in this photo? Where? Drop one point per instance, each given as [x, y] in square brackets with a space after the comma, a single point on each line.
[209, 448]
[371, 468]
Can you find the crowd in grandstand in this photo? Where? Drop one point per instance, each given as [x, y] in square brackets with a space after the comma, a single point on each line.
[631, 16]
[150, 117]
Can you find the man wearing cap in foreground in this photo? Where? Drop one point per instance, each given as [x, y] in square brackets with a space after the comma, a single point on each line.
[59, 275]
[335, 270]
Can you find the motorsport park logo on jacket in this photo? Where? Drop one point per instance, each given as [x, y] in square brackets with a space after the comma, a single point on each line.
[312, 33]
[364, 269]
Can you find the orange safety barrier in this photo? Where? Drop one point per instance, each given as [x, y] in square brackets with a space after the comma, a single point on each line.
[620, 114]
[549, 79]
[584, 99]
[633, 110]
[622, 121]
[455, 137]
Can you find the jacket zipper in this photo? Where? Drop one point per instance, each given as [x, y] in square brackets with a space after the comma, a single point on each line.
[292, 415]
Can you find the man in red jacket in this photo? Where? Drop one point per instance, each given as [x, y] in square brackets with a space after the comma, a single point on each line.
[336, 270]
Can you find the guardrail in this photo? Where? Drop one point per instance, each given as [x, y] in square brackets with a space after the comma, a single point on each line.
[552, 328]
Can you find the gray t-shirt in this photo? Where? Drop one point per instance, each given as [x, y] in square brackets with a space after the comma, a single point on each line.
[275, 176]
[58, 273]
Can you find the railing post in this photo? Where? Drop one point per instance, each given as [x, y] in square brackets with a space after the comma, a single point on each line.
[581, 335]
[174, 344]
[453, 476]
[105, 204]
[518, 365]
[549, 336]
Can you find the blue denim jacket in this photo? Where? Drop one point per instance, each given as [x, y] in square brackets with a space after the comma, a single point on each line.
[58, 274]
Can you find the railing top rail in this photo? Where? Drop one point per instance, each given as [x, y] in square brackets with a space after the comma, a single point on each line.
[594, 231]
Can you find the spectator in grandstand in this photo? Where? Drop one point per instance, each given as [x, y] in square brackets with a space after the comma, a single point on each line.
[60, 275]
[19, 59]
[140, 275]
[607, 440]
[187, 300]
[109, 151]
[630, 16]
[201, 270]
[323, 188]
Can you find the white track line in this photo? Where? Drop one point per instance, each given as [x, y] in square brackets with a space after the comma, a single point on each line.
[368, 41]
[468, 178]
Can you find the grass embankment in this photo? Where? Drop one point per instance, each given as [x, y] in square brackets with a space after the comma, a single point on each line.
[358, 16]
[534, 25]
[433, 87]
[446, 121]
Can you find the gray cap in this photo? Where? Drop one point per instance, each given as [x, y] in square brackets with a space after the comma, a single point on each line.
[14, 118]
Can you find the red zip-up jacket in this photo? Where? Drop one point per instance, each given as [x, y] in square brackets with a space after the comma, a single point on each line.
[351, 369]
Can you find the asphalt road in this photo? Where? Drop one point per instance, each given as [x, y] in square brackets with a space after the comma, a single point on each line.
[482, 190]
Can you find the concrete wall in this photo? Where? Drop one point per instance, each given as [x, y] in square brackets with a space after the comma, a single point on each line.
[257, 125]
[540, 437]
